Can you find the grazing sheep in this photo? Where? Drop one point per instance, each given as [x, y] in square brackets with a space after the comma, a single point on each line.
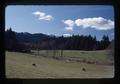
[34, 64]
[83, 69]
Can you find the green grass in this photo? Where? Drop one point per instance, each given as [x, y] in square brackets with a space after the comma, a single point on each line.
[19, 65]
[103, 56]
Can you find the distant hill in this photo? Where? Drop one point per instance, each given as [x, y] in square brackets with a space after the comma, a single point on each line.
[42, 41]
[50, 41]
[31, 38]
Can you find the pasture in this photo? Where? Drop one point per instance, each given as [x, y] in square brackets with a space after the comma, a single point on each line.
[98, 57]
[20, 65]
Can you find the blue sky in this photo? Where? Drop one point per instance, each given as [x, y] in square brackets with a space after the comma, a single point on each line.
[96, 20]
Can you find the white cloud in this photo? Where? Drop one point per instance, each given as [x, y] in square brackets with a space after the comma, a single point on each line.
[69, 23]
[47, 17]
[99, 23]
[67, 35]
[69, 28]
[43, 16]
[39, 13]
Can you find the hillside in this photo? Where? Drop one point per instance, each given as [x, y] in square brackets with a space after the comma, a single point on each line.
[43, 41]
[19, 65]
[32, 38]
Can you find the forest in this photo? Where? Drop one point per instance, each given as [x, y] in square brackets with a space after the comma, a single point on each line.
[24, 42]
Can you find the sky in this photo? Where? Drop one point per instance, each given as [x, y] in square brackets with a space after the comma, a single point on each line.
[66, 20]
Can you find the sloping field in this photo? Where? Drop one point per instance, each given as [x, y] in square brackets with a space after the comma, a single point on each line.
[98, 57]
[19, 65]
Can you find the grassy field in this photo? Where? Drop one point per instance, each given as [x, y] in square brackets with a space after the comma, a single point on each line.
[100, 57]
[19, 65]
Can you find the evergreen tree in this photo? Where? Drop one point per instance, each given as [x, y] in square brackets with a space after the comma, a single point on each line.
[104, 42]
[10, 39]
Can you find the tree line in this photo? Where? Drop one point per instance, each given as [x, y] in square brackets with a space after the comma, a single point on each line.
[74, 42]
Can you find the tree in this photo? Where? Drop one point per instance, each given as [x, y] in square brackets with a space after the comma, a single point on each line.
[10, 39]
[104, 42]
[12, 44]
[94, 43]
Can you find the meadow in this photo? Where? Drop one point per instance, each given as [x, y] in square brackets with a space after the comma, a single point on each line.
[19, 65]
[98, 57]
